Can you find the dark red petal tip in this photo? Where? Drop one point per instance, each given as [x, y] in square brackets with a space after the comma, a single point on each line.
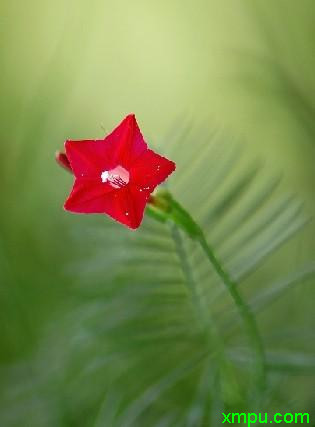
[63, 161]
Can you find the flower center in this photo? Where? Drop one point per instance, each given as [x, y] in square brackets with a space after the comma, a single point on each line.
[117, 177]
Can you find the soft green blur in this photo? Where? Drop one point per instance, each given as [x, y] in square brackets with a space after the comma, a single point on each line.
[74, 69]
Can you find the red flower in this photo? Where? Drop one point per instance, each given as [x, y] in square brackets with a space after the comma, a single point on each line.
[115, 175]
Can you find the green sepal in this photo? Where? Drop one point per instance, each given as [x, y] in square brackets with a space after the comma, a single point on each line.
[164, 207]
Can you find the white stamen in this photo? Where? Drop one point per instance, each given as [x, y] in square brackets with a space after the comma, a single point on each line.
[104, 176]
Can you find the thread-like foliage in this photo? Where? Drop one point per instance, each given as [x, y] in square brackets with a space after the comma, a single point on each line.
[151, 336]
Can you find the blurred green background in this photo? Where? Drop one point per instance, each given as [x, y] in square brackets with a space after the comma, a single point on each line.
[73, 70]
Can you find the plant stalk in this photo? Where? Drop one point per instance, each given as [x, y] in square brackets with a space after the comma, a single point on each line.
[244, 310]
[164, 207]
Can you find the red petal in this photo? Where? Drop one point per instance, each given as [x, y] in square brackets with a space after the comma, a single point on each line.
[150, 170]
[125, 205]
[88, 158]
[126, 142]
[88, 196]
[136, 201]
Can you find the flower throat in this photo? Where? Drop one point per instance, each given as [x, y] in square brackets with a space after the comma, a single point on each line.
[117, 177]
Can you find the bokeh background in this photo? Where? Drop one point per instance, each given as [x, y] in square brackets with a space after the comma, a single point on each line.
[211, 83]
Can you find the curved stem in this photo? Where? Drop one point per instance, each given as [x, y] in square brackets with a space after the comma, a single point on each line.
[164, 208]
[201, 311]
[243, 308]
[215, 343]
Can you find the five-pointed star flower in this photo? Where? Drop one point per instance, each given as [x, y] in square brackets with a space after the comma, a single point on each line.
[115, 175]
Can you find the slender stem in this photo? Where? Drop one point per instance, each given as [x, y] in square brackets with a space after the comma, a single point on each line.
[214, 340]
[244, 310]
[165, 208]
[201, 310]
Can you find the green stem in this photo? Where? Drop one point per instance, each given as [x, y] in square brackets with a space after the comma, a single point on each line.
[201, 311]
[215, 345]
[164, 208]
[245, 312]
